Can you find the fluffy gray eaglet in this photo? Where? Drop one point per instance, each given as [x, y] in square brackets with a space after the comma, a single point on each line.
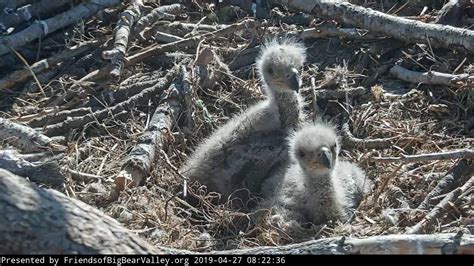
[238, 156]
[318, 187]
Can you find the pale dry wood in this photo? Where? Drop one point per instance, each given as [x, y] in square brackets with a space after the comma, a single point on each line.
[388, 244]
[44, 27]
[455, 177]
[389, 25]
[178, 28]
[330, 30]
[449, 155]
[128, 18]
[140, 160]
[162, 12]
[350, 141]
[56, 224]
[23, 137]
[441, 208]
[432, 77]
[22, 75]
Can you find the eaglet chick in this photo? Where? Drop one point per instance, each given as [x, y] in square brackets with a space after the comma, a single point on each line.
[241, 153]
[317, 187]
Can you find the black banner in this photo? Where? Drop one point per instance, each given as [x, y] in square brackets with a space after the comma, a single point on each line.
[188, 260]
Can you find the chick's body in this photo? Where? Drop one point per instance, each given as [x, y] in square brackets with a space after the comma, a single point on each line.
[243, 152]
[317, 187]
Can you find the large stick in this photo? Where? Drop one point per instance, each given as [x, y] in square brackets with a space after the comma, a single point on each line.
[22, 75]
[82, 229]
[27, 12]
[432, 77]
[441, 208]
[23, 137]
[455, 177]
[141, 158]
[449, 155]
[128, 18]
[392, 26]
[47, 26]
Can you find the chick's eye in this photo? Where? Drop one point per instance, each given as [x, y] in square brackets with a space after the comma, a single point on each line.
[270, 71]
[301, 154]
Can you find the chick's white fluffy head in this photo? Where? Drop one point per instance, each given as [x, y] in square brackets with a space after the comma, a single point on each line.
[315, 148]
[279, 64]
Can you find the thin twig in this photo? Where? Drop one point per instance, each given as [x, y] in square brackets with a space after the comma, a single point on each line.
[449, 155]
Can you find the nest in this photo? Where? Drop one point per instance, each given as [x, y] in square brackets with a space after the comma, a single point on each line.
[345, 80]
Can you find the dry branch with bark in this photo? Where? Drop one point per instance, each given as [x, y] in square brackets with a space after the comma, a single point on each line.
[392, 26]
[142, 157]
[50, 25]
[57, 224]
[432, 77]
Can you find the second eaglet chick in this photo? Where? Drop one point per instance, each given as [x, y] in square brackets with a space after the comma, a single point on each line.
[241, 153]
[318, 187]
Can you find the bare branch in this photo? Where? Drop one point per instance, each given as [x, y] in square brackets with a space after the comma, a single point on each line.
[162, 12]
[19, 76]
[350, 141]
[432, 77]
[122, 32]
[441, 208]
[127, 105]
[449, 155]
[455, 177]
[42, 169]
[44, 27]
[23, 137]
[392, 26]
[139, 161]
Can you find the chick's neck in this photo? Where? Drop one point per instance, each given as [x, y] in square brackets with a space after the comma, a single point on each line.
[288, 108]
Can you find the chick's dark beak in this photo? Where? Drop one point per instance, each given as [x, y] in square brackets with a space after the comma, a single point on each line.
[326, 158]
[294, 80]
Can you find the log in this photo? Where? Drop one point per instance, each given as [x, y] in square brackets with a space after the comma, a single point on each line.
[377, 22]
[44, 27]
[40, 168]
[53, 223]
